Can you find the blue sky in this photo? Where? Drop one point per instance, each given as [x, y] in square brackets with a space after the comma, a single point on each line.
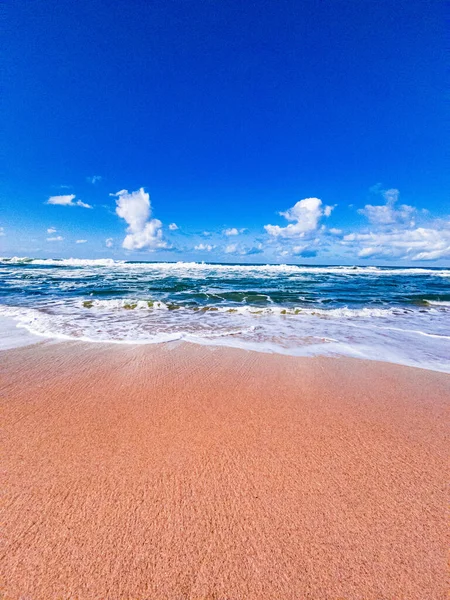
[217, 116]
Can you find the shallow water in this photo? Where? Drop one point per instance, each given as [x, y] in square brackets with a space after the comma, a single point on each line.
[395, 314]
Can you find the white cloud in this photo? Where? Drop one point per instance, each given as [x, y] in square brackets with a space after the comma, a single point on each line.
[388, 214]
[240, 250]
[2, 231]
[394, 234]
[305, 216]
[67, 200]
[51, 230]
[142, 232]
[83, 204]
[304, 250]
[204, 247]
[234, 231]
[421, 243]
[80, 241]
[109, 242]
[297, 250]
[57, 238]
[173, 227]
[94, 179]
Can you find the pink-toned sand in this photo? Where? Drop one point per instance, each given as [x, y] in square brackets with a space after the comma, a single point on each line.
[187, 472]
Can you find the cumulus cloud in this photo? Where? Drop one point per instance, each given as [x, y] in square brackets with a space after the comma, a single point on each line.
[304, 250]
[388, 213]
[204, 247]
[142, 232]
[420, 243]
[80, 241]
[173, 227]
[94, 179]
[57, 238]
[233, 231]
[305, 216]
[67, 200]
[51, 230]
[394, 234]
[109, 242]
[240, 250]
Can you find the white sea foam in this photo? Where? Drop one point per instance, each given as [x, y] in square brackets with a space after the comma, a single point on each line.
[123, 303]
[63, 262]
[443, 303]
[12, 336]
[233, 268]
[331, 313]
[346, 332]
[251, 310]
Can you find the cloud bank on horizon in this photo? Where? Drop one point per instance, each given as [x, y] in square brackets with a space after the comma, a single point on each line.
[390, 231]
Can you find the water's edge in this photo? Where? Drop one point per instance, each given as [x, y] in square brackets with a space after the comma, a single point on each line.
[398, 315]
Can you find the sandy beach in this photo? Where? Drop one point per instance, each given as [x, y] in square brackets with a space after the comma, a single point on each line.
[191, 472]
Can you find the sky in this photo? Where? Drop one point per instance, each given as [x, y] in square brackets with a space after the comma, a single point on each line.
[283, 131]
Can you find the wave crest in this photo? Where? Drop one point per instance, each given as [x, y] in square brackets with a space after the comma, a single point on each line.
[245, 268]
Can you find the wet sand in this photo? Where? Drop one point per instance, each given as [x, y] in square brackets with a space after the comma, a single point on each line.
[187, 472]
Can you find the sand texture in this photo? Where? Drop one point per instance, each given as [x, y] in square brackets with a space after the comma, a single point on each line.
[186, 472]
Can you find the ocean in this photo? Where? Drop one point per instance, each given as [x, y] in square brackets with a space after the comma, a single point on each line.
[400, 315]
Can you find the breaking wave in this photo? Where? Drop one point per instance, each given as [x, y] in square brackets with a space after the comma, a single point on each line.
[201, 266]
[338, 313]
[395, 314]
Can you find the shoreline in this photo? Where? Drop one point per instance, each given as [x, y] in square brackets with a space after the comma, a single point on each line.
[15, 337]
[190, 471]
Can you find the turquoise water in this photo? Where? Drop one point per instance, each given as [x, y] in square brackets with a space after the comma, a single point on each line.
[395, 314]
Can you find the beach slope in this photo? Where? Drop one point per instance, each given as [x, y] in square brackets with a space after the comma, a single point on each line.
[190, 472]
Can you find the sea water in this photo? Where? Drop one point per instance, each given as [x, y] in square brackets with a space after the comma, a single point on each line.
[400, 315]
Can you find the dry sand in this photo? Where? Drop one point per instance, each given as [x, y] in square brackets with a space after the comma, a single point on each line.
[188, 472]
